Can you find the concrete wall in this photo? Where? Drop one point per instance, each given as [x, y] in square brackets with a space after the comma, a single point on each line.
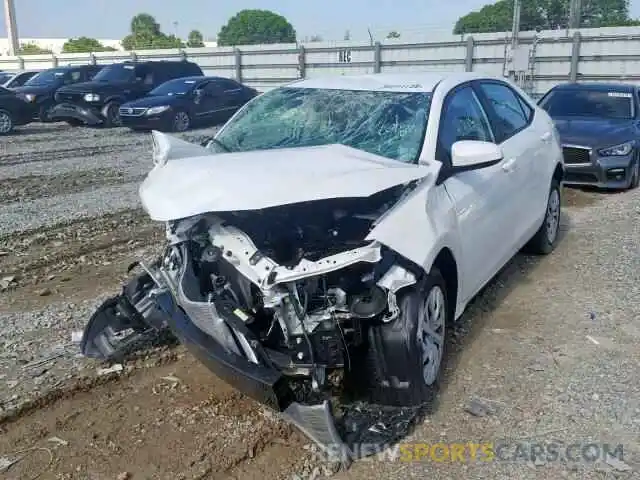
[543, 59]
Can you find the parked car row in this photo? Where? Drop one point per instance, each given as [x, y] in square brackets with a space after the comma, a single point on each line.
[598, 123]
[164, 95]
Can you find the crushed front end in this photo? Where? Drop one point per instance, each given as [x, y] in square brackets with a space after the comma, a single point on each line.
[276, 302]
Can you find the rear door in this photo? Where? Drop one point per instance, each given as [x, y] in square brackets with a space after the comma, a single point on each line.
[524, 146]
[480, 196]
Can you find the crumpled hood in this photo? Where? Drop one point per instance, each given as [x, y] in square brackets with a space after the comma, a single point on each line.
[595, 132]
[189, 180]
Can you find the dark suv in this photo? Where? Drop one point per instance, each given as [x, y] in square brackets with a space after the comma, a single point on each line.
[98, 102]
[14, 111]
[40, 89]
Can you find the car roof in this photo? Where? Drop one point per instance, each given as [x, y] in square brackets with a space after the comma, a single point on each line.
[598, 86]
[387, 82]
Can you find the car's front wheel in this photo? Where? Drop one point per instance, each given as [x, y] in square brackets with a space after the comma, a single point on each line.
[546, 238]
[181, 121]
[112, 115]
[405, 356]
[6, 122]
[635, 173]
[44, 112]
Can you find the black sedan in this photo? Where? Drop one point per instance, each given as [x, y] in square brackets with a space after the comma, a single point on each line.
[180, 104]
[599, 127]
[14, 111]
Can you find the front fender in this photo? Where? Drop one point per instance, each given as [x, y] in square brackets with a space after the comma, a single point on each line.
[420, 226]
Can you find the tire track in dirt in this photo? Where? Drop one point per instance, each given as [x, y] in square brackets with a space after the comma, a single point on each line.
[63, 153]
[207, 429]
[31, 187]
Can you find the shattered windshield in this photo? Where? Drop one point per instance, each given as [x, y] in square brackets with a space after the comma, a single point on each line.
[390, 124]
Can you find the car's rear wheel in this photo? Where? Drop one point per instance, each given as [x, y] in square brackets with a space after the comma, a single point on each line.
[546, 238]
[6, 122]
[635, 174]
[181, 121]
[405, 356]
[112, 115]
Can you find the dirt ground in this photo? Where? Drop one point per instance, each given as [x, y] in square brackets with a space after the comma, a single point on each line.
[164, 416]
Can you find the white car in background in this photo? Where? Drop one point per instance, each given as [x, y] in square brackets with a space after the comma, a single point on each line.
[341, 224]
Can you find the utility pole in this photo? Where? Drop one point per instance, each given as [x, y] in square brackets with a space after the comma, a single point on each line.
[575, 13]
[515, 29]
[11, 26]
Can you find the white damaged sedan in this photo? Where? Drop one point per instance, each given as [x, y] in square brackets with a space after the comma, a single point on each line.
[333, 229]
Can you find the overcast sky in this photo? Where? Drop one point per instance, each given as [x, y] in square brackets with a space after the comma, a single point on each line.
[329, 18]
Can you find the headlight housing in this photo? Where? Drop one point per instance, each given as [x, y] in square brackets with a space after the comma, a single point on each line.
[617, 150]
[92, 97]
[157, 110]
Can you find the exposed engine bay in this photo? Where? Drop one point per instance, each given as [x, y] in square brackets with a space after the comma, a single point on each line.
[299, 277]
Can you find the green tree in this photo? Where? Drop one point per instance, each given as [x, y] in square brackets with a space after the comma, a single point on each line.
[146, 35]
[32, 49]
[393, 35]
[251, 27]
[544, 15]
[85, 44]
[195, 40]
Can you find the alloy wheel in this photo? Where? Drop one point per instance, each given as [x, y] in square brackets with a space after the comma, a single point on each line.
[431, 333]
[6, 123]
[553, 215]
[181, 121]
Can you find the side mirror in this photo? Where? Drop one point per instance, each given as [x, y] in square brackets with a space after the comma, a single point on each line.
[474, 154]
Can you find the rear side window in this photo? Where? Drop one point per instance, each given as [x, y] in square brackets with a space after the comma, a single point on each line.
[193, 69]
[507, 106]
[227, 84]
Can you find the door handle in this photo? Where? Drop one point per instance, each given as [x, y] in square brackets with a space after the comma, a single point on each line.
[507, 166]
[546, 137]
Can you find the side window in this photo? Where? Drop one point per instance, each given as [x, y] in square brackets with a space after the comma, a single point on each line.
[507, 107]
[229, 85]
[91, 72]
[213, 89]
[463, 118]
[526, 108]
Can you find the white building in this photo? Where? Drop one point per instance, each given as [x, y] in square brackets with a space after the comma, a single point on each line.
[55, 44]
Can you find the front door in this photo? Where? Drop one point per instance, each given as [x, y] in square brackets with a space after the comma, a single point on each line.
[481, 197]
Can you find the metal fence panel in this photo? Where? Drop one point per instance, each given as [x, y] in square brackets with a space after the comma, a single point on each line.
[603, 54]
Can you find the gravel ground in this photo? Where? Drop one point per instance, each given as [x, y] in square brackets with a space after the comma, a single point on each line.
[549, 350]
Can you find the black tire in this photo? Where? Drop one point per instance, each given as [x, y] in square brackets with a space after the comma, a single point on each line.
[7, 123]
[181, 121]
[112, 115]
[546, 238]
[635, 174]
[395, 374]
[74, 122]
[44, 112]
